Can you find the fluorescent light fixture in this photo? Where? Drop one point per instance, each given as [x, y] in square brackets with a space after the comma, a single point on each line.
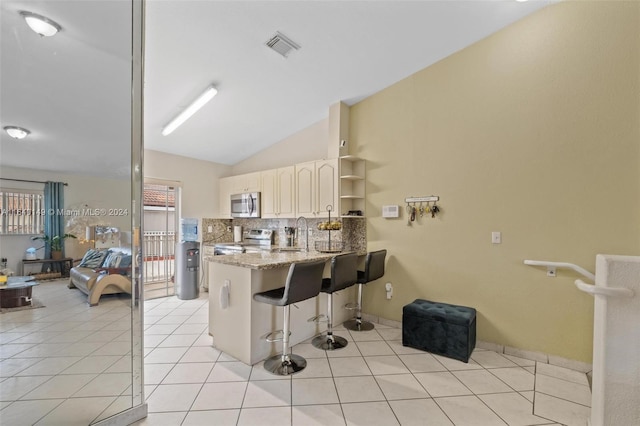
[190, 110]
[16, 132]
[40, 24]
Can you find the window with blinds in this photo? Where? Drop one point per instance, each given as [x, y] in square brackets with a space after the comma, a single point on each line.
[21, 211]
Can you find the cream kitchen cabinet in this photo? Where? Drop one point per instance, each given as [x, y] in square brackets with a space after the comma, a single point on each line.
[278, 193]
[316, 188]
[249, 182]
[225, 189]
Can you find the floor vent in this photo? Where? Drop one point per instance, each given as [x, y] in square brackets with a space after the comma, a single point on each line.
[282, 44]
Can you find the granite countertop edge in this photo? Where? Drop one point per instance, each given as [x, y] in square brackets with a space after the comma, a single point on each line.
[269, 260]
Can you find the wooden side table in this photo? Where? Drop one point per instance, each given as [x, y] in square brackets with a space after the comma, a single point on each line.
[63, 265]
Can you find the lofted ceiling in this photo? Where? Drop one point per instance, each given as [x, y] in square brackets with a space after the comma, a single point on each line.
[71, 90]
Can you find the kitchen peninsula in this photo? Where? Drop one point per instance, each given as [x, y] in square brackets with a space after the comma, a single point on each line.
[239, 324]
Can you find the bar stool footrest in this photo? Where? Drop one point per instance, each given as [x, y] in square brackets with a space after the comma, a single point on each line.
[268, 337]
[319, 318]
[352, 306]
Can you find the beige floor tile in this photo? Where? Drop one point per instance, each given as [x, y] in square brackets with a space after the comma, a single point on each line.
[271, 416]
[215, 396]
[369, 413]
[374, 348]
[76, 412]
[267, 393]
[419, 412]
[50, 366]
[490, 359]
[481, 381]
[317, 415]
[13, 388]
[60, 386]
[162, 419]
[105, 385]
[516, 377]
[350, 366]
[560, 410]
[28, 412]
[468, 411]
[403, 386]
[574, 392]
[358, 389]
[178, 340]
[561, 373]
[455, 365]
[313, 391]
[364, 336]
[200, 354]
[165, 355]
[388, 364]
[316, 367]
[195, 372]
[513, 408]
[211, 417]
[173, 398]
[422, 363]
[441, 384]
[229, 372]
[92, 364]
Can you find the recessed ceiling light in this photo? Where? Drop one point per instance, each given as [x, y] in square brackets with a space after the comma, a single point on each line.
[41, 24]
[16, 132]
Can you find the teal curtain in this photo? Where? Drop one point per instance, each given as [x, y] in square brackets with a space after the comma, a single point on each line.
[54, 206]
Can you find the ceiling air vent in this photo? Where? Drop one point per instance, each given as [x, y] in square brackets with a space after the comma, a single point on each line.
[282, 44]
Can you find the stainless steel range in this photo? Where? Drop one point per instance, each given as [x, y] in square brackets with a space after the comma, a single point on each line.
[255, 241]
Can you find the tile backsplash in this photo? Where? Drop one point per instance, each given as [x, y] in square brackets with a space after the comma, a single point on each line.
[353, 232]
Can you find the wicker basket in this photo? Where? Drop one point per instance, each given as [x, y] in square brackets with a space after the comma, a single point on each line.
[329, 246]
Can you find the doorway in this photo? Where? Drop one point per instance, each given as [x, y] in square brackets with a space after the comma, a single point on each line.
[161, 207]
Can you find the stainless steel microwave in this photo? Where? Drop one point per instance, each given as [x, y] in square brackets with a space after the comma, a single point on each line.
[245, 205]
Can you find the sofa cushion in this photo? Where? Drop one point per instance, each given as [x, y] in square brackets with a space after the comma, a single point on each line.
[93, 258]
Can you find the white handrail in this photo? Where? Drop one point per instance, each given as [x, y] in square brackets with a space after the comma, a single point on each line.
[603, 291]
[576, 268]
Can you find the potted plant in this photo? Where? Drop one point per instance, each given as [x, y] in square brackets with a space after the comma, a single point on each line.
[55, 243]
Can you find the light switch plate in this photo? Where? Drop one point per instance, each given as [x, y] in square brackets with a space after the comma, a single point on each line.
[496, 237]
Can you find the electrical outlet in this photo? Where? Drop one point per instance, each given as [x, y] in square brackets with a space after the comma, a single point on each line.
[210, 228]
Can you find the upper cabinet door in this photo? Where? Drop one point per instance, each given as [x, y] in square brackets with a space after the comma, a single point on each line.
[286, 179]
[327, 188]
[249, 182]
[225, 186]
[269, 194]
[305, 189]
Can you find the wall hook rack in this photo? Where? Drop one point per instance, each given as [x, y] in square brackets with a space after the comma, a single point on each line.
[415, 206]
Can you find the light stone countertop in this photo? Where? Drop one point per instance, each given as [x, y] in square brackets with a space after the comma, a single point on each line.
[269, 259]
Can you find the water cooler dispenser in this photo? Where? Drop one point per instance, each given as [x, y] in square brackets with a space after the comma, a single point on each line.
[187, 261]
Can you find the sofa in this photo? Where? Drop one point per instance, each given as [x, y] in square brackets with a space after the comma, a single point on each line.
[102, 272]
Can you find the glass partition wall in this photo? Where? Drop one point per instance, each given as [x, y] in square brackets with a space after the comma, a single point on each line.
[79, 95]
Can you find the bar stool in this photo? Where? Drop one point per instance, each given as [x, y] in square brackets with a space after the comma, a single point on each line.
[373, 269]
[344, 274]
[303, 282]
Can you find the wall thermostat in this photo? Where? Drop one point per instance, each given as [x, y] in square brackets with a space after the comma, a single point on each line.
[391, 211]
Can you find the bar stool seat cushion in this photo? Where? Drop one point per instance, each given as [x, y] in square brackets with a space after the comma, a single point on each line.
[272, 297]
[440, 328]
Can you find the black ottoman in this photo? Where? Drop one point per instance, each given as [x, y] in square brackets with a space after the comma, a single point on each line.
[440, 328]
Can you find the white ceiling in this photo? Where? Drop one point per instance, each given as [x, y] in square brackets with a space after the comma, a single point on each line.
[72, 90]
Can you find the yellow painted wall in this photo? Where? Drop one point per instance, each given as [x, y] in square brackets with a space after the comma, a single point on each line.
[534, 132]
